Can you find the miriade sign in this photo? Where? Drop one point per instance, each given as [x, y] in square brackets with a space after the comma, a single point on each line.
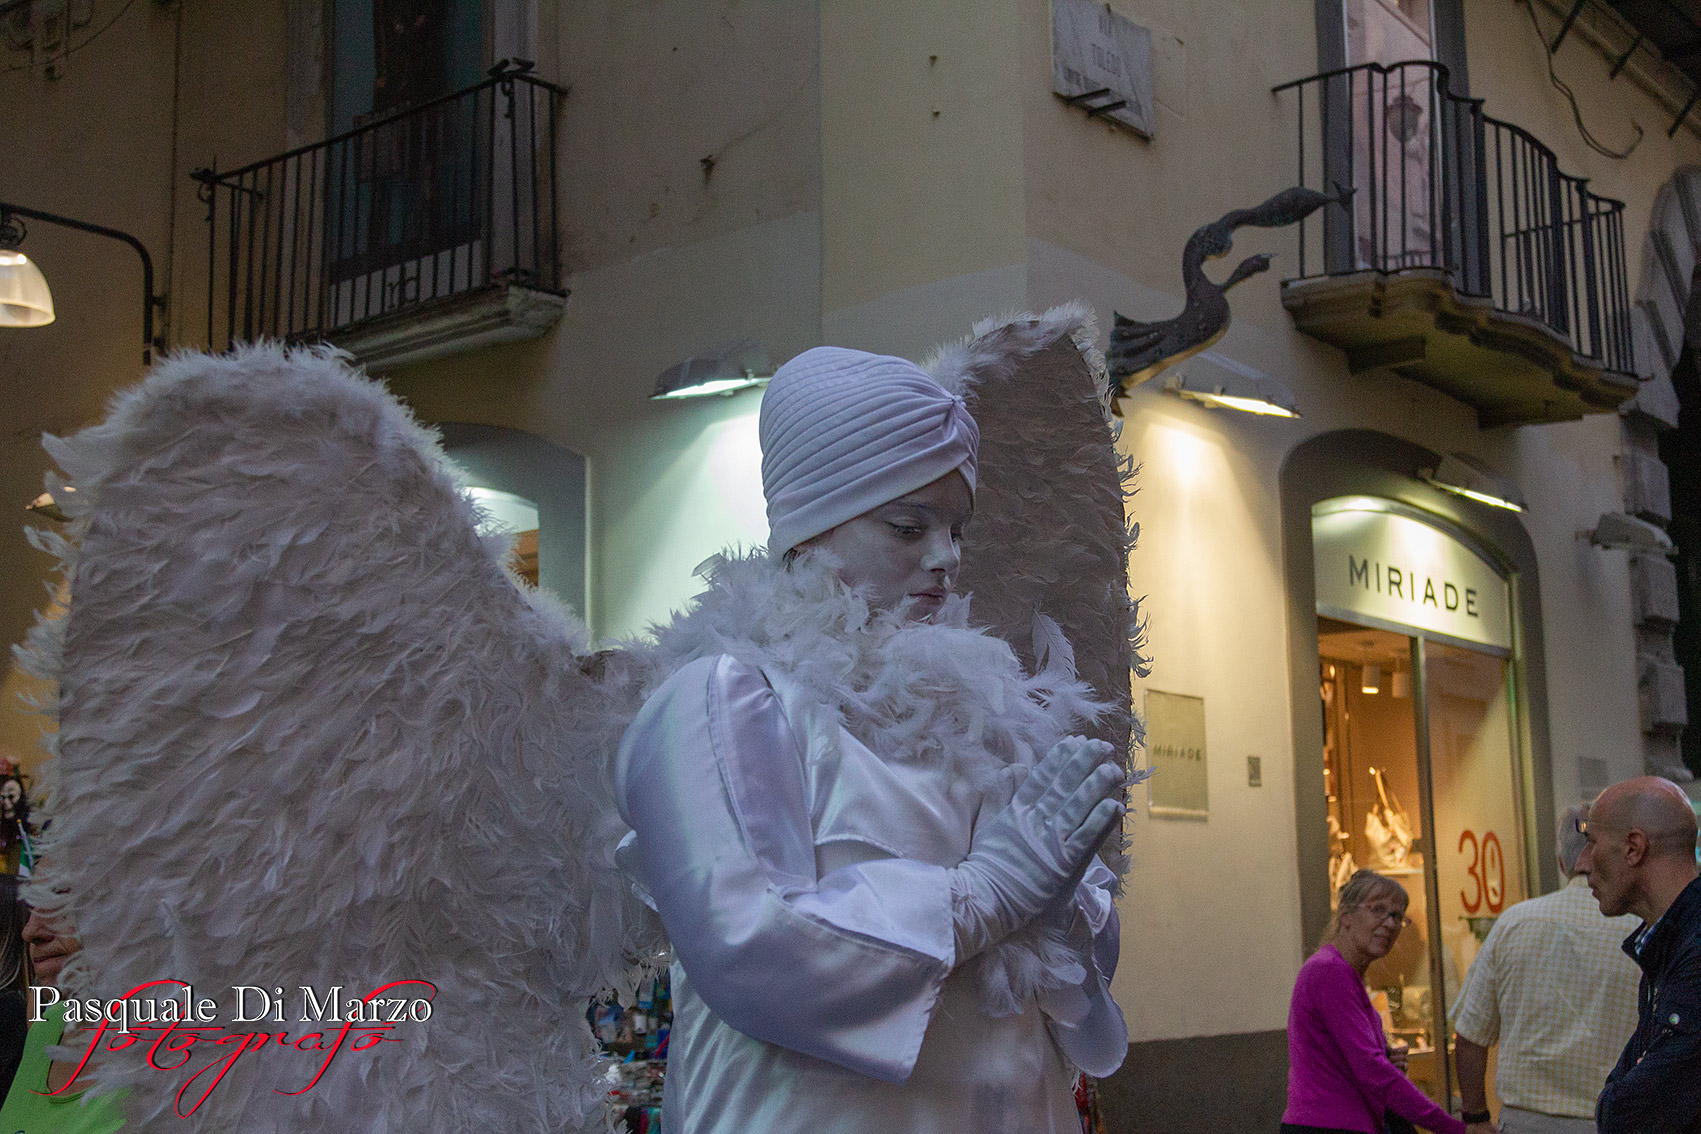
[1384, 567]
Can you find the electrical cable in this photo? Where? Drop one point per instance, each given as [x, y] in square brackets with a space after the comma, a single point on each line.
[1576, 113]
[128, 4]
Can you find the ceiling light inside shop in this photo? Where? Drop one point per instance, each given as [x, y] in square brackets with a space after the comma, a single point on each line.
[1400, 684]
[1219, 382]
[1372, 682]
[1462, 476]
[723, 370]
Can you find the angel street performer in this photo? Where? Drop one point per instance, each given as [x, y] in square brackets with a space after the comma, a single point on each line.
[870, 840]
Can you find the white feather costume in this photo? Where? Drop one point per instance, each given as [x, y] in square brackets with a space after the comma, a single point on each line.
[311, 733]
[799, 787]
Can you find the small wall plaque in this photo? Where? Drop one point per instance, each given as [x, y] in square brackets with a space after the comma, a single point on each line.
[1102, 62]
[1175, 742]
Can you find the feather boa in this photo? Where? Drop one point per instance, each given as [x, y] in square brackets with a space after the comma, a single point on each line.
[941, 693]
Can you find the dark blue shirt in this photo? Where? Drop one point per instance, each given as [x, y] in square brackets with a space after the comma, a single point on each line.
[1656, 1087]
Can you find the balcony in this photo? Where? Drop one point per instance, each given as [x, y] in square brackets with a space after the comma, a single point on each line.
[425, 233]
[1466, 259]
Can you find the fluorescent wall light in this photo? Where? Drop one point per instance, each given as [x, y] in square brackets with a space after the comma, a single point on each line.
[1618, 532]
[1219, 382]
[722, 370]
[1462, 476]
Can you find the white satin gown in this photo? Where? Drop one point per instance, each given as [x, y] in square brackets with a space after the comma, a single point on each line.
[802, 881]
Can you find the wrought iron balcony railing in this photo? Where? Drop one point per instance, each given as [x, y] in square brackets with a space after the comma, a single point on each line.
[1439, 184]
[453, 196]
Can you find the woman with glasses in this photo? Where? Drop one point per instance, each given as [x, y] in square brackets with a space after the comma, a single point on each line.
[1341, 1077]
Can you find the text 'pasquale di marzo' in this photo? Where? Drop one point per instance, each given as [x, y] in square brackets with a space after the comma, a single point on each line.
[1412, 586]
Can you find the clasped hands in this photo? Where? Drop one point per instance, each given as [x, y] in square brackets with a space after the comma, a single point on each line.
[1030, 857]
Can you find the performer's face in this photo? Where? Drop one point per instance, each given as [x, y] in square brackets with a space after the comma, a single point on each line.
[905, 553]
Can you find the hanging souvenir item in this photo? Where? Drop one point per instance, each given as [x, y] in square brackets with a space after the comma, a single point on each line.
[1387, 828]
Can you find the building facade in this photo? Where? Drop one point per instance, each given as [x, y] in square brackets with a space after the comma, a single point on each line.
[1355, 664]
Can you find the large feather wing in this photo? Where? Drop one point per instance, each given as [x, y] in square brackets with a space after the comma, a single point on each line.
[312, 734]
[1046, 558]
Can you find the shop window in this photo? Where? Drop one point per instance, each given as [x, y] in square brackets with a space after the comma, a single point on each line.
[533, 490]
[514, 516]
[1421, 760]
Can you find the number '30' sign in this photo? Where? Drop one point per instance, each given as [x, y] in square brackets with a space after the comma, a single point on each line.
[1486, 872]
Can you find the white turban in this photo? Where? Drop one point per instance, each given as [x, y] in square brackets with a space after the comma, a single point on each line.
[844, 431]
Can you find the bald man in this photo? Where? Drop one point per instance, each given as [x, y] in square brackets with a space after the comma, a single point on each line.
[1639, 856]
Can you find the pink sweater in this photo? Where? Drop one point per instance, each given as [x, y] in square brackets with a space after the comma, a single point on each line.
[1338, 1070]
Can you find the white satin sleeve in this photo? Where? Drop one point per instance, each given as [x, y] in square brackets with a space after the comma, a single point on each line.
[1093, 1034]
[846, 968]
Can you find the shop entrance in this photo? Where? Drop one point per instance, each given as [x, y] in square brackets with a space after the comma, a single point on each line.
[1421, 755]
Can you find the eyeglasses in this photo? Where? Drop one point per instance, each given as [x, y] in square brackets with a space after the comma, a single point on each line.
[1583, 827]
[1383, 913]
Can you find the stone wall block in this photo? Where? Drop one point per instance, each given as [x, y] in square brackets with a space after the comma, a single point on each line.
[1653, 590]
[1655, 400]
[1647, 486]
[1660, 691]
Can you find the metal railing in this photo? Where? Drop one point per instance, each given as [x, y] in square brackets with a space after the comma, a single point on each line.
[1439, 184]
[440, 199]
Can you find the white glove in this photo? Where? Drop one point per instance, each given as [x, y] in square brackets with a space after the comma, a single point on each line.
[1034, 852]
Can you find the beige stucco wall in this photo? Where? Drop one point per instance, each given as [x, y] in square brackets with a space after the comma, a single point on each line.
[1509, 74]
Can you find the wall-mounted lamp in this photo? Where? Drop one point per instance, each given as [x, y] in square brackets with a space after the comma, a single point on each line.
[1618, 532]
[1219, 382]
[722, 370]
[25, 300]
[1462, 476]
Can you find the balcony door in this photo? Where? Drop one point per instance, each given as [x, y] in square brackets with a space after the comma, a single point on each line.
[407, 199]
[1393, 158]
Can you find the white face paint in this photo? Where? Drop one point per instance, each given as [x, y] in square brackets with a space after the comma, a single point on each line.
[905, 553]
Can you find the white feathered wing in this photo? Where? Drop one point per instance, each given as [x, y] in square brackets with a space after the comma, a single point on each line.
[1046, 558]
[312, 733]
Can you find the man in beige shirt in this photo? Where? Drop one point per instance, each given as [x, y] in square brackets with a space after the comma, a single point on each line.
[1553, 987]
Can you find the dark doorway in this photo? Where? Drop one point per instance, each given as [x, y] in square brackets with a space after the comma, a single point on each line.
[1680, 450]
